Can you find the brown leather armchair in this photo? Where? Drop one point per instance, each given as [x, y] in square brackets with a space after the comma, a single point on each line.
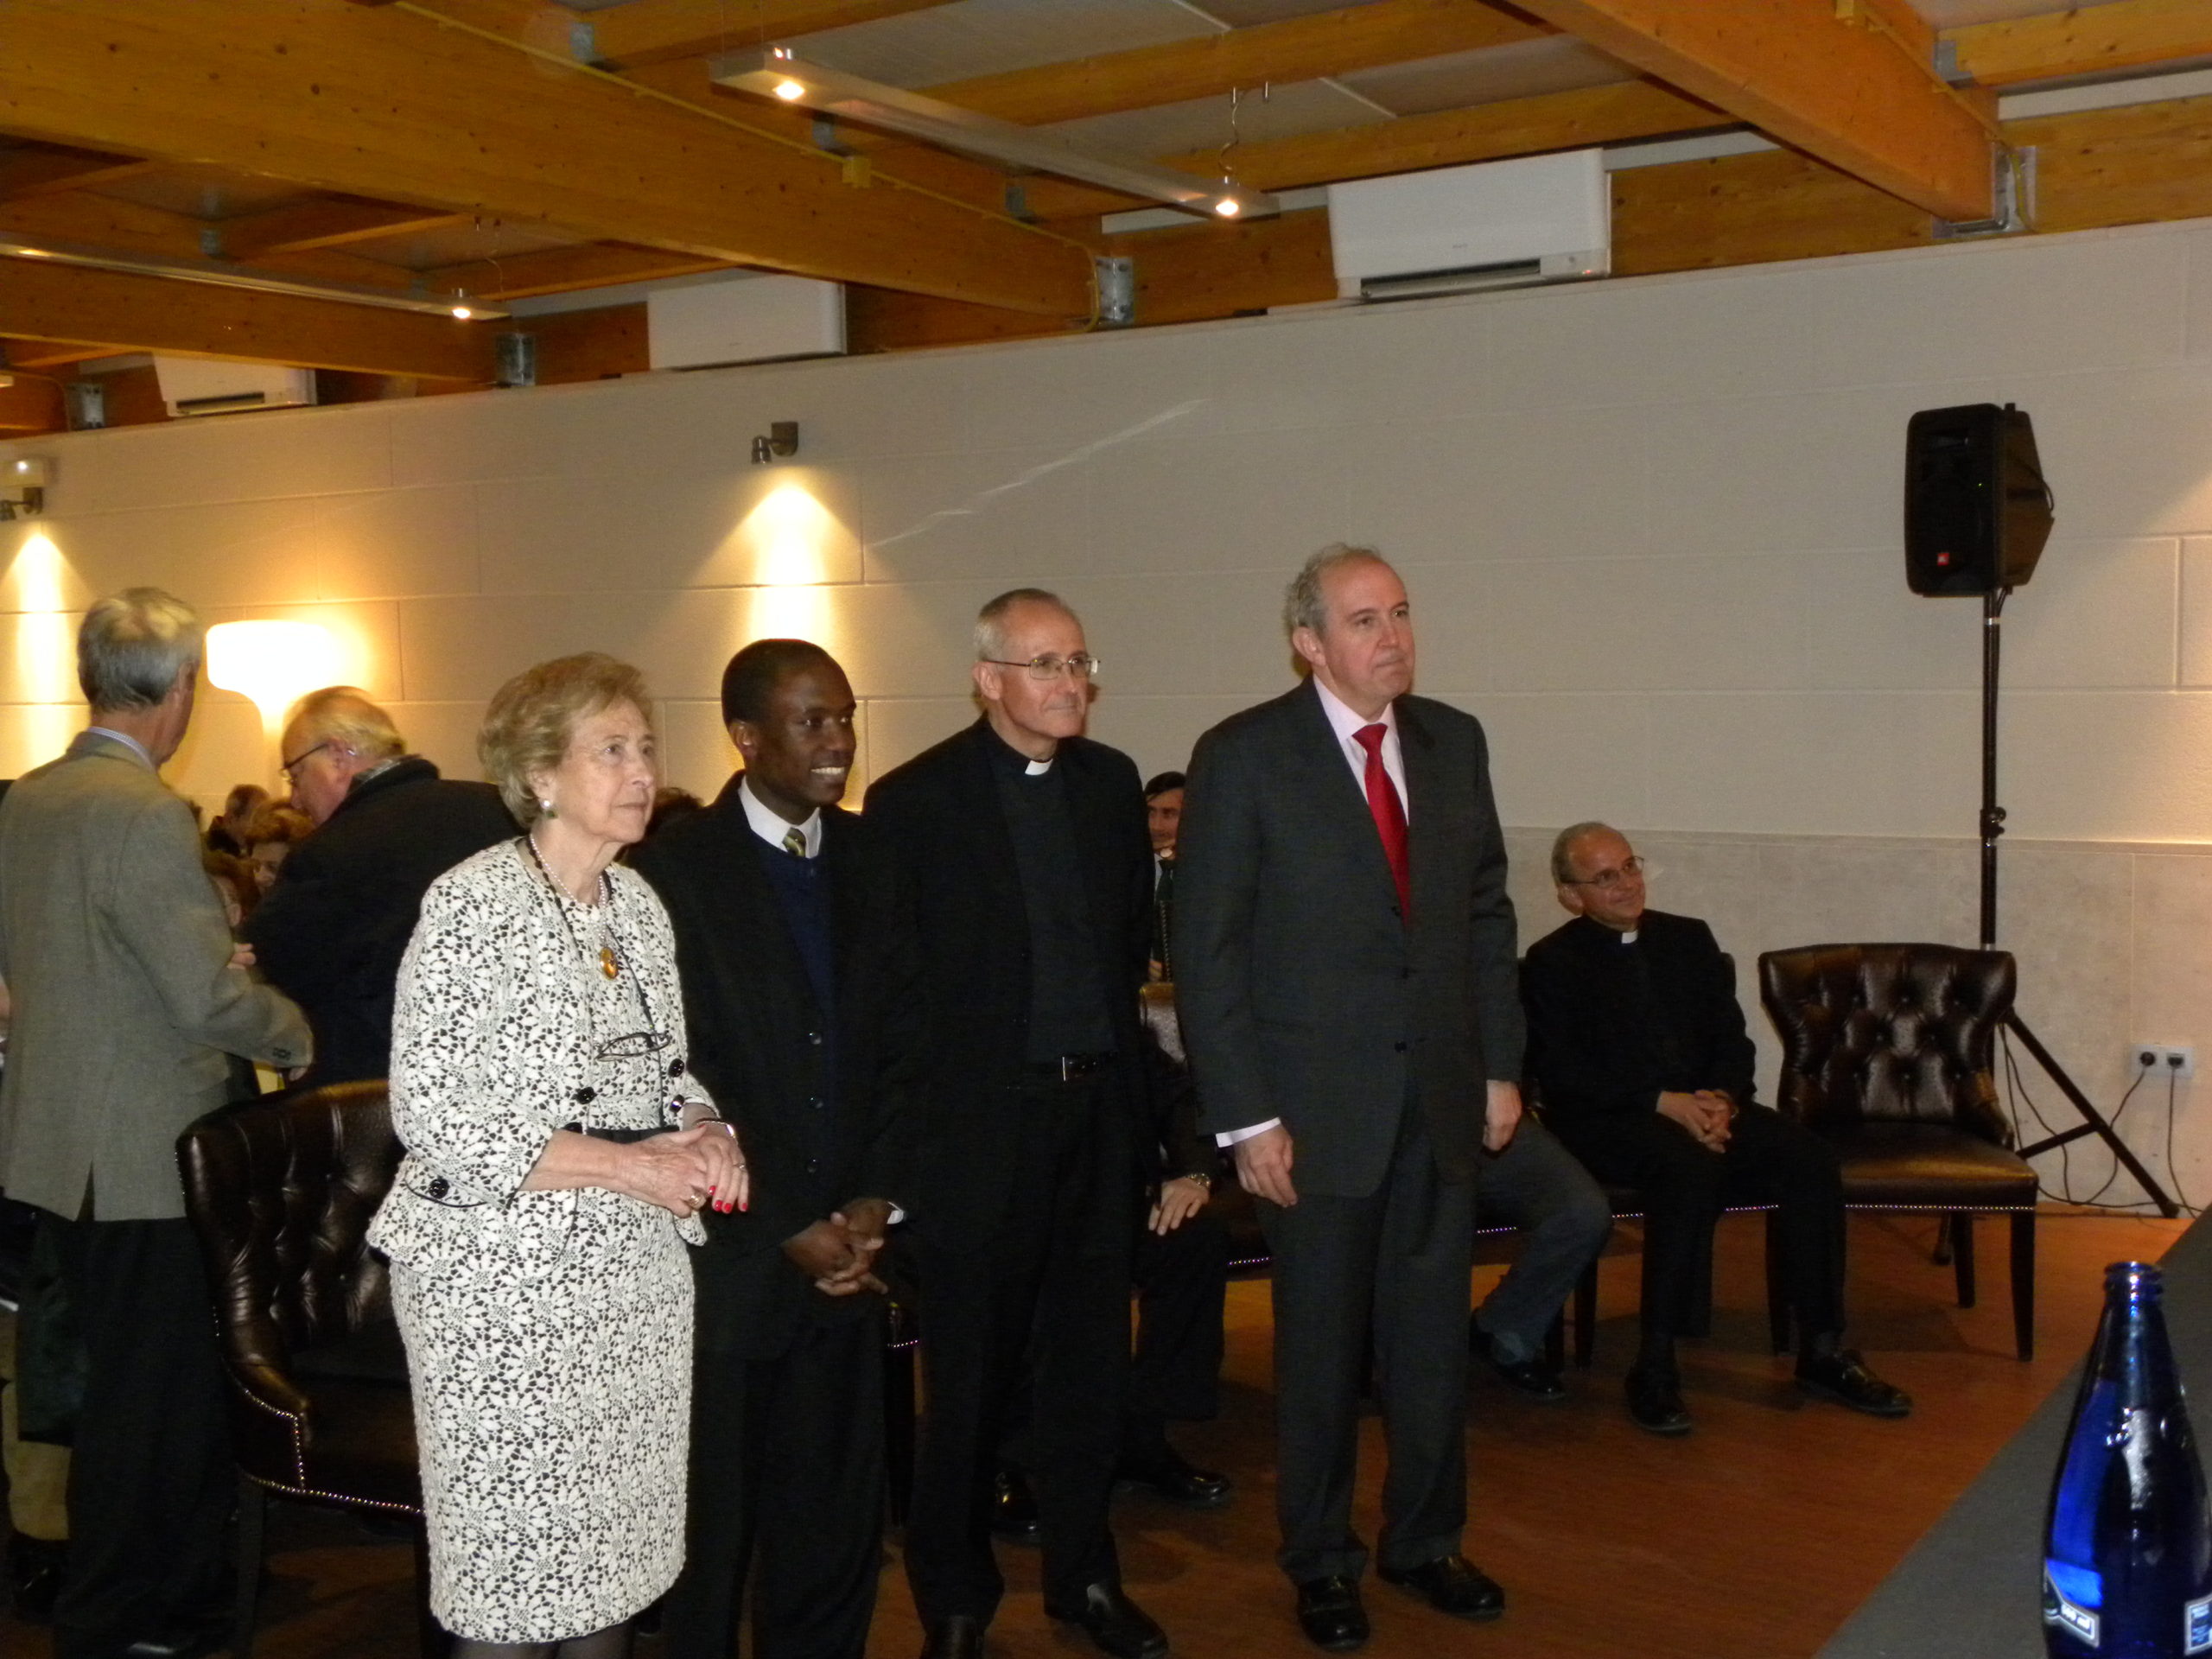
[280, 1192]
[1887, 1052]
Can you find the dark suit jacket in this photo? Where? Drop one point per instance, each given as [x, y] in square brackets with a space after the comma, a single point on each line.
[331, 932]
[941, 812]
[1304, 995]
[755, 1029]
[1610, 1024]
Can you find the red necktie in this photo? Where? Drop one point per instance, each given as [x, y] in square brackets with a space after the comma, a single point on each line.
[1390, 813]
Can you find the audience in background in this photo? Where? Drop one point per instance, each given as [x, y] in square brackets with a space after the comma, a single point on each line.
[268, 836]
[331, 933]
[1163, 813]
[236, 885]
[227, 832]
[670, 805]
[128, 1015]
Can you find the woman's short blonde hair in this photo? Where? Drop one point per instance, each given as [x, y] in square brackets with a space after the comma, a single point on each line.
[533, 716]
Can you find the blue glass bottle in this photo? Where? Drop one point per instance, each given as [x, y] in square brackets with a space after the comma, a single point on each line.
[2127, 1548]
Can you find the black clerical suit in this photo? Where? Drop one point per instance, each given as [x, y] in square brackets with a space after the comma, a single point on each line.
[1614, 1020]
[1031, 892]
[331, 932]
[800, 990]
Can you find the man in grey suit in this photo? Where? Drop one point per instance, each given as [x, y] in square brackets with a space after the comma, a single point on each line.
[129, 1005]
[1345, 954]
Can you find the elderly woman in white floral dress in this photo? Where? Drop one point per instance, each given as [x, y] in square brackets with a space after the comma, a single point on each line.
[558, 1153]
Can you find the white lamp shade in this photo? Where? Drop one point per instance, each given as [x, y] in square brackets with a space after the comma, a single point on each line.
[272, 663]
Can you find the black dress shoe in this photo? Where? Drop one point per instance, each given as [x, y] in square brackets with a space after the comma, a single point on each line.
[190, 1642]
[35, 1567]
[1163, 1471]
[960, 1637]
[1115, 1625]
[1535, 1378]
[1330, 1613]
[1844, 1378]
[1655, 1403]
[1451, 1583]
[1014, 1509]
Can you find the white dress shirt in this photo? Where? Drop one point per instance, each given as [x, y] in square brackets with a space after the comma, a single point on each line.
[771, 826]
[1346, 725]
[128, 743]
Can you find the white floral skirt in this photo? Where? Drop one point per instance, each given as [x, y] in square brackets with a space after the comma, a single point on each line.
[553, 1419]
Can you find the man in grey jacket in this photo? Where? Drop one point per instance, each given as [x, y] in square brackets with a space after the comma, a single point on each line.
[129, 1005]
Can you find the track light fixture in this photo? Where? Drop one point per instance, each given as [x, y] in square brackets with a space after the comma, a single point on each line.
[776, 71]
[222, 276]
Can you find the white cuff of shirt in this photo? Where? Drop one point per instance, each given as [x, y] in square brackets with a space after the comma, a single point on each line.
[1231, 1137]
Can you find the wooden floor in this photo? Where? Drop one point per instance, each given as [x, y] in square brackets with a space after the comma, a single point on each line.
[1753, 1537]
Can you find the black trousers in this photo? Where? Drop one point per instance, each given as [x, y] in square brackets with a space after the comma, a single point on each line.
[151, 1482]
[1769, 1160]
[1049, 1278]
[786, 1491]
[1389, 1270]
[1182, 1284]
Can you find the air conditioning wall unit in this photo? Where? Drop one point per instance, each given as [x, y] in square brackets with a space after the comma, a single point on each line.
[1461, 230]
[745, 319]
[192, 385]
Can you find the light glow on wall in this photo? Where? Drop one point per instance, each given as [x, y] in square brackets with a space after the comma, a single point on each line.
[273, 664]
[787, 535]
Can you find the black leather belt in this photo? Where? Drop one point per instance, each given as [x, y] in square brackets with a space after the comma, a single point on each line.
[624, 1136]
[1066, 1069]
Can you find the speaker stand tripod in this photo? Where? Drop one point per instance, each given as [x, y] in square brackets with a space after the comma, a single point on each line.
[1993, 825]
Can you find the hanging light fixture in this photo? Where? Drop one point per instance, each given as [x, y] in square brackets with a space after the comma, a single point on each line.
[216, 275]
[777, 72]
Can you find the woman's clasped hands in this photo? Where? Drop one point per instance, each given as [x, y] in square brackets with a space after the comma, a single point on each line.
[686, 1170]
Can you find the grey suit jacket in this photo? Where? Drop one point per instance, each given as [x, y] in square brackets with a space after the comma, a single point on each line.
[1304, 995]
[114, 948]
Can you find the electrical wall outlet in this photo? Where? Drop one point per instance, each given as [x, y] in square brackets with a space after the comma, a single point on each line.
[2161, 1060]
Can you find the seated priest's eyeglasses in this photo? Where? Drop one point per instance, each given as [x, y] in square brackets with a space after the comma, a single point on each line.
[291, 768]
[1630, 869]
[1050, 666]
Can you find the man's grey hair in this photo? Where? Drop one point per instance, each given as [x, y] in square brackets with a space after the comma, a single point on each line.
[990, 621]
[1304, 604]
[134, 645]
[1563, 847]
[343, 714]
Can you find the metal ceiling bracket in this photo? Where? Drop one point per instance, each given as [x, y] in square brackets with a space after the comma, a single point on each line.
[1017, 202]
[2012, 199]
[583, 42]
[1947, 64]
[825, 136]
[1118, 292]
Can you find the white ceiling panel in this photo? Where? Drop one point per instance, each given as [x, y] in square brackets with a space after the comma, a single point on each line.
[989, 37]
[1204, 124]
[1955, 13]
[1525, 69]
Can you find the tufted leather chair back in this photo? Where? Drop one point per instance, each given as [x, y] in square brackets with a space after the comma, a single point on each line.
[281, 1192]
[1896, 1033]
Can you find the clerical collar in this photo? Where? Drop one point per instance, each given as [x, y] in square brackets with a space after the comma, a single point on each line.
[1010, 757]
[771, 826]
[1628, 937]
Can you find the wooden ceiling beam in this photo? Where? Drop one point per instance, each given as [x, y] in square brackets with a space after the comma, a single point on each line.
[147, 313]
[2083, 41]
[560, 270]
[1299, 49]
[37, 172]
[1521, 126]
[31, 405]
[324, 222]
[131, 228]
[1799, 73]
[383, 102]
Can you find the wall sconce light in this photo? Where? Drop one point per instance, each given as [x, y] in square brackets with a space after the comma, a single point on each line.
[23, 487]
[274, 664]
[780, 442]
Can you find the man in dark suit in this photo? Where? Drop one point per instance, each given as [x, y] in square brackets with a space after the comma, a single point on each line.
[1345, 959]
[1163, 820]
[1645, 1069]
[1023, 845]
[799, 990]
[331, 932]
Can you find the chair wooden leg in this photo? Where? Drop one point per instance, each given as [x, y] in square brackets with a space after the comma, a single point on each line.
[429, 1635]
[253, 1517]
[1962, 1254]
[899, 1431]
[1585, 1315]
[1777, 1294]
[2023, 1282]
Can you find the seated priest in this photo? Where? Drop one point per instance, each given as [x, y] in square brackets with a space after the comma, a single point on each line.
[1638, 1047]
